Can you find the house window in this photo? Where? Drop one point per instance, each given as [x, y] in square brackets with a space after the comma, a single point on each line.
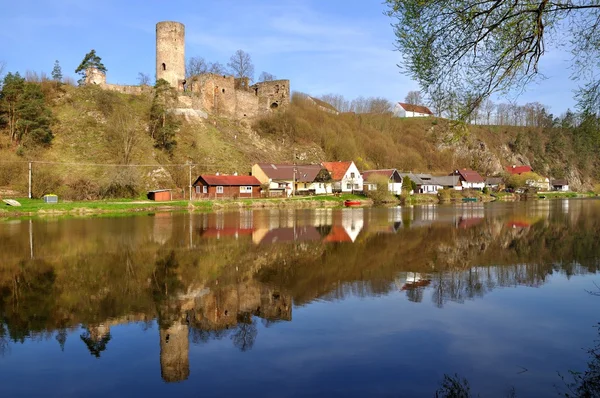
[197, 188]
[351, 175]
[246, 189]
[205, 189]
[219, 189]
[348, 186]
[356, 186]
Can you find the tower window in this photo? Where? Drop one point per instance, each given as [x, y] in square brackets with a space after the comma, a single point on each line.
[223, 91]
[164, 66]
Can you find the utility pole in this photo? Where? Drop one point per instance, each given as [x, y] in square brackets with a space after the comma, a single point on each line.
[190, 182]
[29, 180]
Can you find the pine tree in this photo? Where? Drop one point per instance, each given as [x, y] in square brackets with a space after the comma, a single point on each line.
[163, 124]
[91, 60]
[57, 72]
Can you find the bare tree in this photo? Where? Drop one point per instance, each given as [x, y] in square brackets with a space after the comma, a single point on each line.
[143, 79]
[217, 68]
[122, 133]
[379, 105]
[414, 98]
[266, 77]
[337, 101]
[241, 65]
[2, 67]
[487, 108]
[195, 66]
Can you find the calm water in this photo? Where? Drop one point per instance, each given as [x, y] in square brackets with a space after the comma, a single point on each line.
[277, 303]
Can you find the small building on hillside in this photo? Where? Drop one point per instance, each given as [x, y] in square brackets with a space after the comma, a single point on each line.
[560, 185]
[287, 179]
[402, 109]
[392, 175]
[345, 176]
[322, 105]
[226, 187]
[514, 169]
[160, 195]
[470, 179]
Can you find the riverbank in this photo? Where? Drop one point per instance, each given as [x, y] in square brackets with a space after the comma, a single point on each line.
[37, 207]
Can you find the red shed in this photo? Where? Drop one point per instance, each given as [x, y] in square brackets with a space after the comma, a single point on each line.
[221, 187]
[160, 195]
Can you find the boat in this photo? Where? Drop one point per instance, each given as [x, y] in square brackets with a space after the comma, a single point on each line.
[11, 202]
[469, 199]
[349, 203]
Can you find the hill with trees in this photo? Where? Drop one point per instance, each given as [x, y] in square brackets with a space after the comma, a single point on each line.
[95, 143]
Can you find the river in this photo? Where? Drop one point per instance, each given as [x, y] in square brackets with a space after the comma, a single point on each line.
[354, 302]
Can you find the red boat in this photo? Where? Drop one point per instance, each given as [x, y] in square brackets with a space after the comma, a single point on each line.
[349, 203]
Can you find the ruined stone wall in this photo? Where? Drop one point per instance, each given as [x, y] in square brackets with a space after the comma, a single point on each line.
[272, 95]
[94, 76]
[170, 53]
[246, 104]
[135, 90]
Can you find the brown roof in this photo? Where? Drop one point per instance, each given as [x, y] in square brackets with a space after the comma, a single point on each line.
[337, 169]
[470, 175]
[227, 180]
[383, 172]
[415, 108]
[304, 172]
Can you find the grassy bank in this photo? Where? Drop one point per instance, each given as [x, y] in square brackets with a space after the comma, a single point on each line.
[31, 207]
[564, 195]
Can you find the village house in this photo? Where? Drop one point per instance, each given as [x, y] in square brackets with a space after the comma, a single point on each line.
[448, 182]
[470, 179]
[402, 109]
[541, 183]
[226, 186]
[425, 183]
[345, 176]
[560, 185]
[290, 179]
[494, 183]
[392, 175]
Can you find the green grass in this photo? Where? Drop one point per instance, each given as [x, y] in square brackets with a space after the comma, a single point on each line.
[558, 195]
[38, 206]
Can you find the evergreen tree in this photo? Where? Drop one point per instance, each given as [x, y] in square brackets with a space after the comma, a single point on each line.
[91, 60]
[23, 108]
[57, 72]
[163, 124]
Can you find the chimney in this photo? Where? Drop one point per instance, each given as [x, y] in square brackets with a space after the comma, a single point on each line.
[217, 173]
[514, 166]
[235, 173]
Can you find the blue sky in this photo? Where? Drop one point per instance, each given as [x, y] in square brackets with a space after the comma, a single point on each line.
[334, 46]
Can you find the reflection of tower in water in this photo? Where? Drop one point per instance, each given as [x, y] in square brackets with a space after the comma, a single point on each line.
[174, 353]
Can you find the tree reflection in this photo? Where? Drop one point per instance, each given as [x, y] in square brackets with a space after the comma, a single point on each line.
[95, 341]
[245, 334]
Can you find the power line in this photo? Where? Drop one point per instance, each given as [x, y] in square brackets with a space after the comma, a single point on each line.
[107, 164]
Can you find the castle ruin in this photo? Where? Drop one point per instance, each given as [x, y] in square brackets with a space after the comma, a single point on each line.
[207, 93]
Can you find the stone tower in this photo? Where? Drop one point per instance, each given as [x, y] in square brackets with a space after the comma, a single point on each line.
[170, 53]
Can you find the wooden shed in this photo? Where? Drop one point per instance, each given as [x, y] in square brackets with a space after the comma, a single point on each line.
[160, 195]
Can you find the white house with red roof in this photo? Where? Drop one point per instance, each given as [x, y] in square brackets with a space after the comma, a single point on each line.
[392, 175]
[345, 176]
[402, 109]
[470, 179]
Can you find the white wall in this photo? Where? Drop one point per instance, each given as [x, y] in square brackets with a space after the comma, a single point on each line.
[356, 182]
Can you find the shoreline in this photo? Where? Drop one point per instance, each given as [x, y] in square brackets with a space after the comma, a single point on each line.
[37, 208]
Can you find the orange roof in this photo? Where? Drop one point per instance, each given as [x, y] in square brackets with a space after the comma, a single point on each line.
[518, 169]
[337, 234]
[415, 108]
[337, 169]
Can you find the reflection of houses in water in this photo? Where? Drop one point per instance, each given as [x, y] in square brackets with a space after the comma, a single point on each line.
[470, 215]
[280, 235]
[411, 280]
[352, 221]
[222, 224]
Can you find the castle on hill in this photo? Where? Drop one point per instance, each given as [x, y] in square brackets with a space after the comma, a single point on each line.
[214, 94]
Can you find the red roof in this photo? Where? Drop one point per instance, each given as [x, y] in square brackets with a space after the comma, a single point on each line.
[338, 234]
[518, 169]
[415, 108]
[227, 180]
[470, 175]
[337, 169]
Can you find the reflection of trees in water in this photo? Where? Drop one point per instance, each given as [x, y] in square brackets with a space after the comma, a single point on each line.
[95, 344]
[245, 334]
[587, 383]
